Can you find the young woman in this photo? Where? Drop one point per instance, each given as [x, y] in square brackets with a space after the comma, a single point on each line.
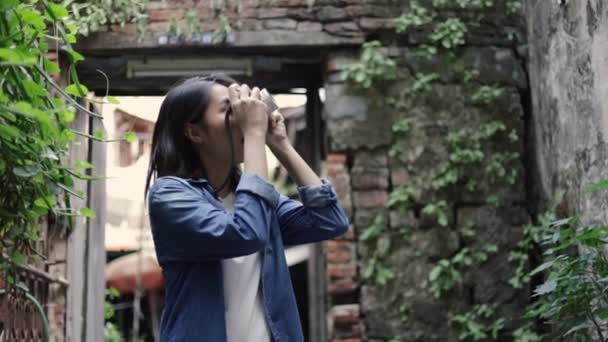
[220, 234]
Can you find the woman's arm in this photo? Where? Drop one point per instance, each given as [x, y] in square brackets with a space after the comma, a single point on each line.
[319, 216]
[188, 227]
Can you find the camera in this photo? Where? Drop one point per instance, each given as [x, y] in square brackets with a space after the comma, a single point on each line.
[271, 105]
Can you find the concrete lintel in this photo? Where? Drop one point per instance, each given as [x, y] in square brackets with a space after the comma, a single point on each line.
[270, 38]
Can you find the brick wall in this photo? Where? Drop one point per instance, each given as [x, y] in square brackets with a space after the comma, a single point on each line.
[341, 256]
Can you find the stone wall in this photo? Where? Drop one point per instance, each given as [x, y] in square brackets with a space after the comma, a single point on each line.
[569, 84]
[360, 126]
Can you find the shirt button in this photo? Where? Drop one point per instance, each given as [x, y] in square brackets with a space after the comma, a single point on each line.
[268, 249]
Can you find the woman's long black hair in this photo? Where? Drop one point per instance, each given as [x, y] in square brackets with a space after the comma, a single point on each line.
[173, 153]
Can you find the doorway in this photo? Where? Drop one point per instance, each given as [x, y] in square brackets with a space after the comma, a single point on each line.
[151, 73]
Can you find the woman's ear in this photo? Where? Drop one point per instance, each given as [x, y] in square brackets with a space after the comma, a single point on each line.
[194, 133]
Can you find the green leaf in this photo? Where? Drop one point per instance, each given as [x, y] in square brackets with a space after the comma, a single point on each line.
[100, 134]
[75, 57]
[18, 258]
[8, 4]
[599, 186]
[9, 132]
[112, 100]
[86, 212]
[548, 287]
[33, 89]
[25, 171]
[49, 154]
[32, 18]
[78, 90]
[17, 57]
[130, 137]
[50, 66]
[57, 11]
[46, 202]
[113, 292]
[83, 165]
[435, 272]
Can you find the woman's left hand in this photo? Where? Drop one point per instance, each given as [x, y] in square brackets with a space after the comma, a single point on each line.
[276, 136]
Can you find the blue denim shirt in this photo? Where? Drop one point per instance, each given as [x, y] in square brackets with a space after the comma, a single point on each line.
[192, 233]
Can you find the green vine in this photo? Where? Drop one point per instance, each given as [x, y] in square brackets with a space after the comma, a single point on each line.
[90, 16]
[441, 34]
[35, 133]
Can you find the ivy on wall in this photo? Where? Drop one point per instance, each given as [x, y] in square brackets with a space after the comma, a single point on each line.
[35, 134]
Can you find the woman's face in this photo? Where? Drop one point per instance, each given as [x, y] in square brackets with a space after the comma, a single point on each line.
[216, 142]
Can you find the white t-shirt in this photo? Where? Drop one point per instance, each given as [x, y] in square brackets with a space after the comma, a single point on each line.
[244, 311]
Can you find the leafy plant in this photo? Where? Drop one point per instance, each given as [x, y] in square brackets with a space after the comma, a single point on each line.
[449, 272]
[415, 17]
[373, 68]
[111, 332]
[573, 297]
[90, 15]
[222, 31]
[476, 325]
[35, 133]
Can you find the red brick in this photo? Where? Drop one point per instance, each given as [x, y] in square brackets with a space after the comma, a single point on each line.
[341, 271]
[370, 199]
[339, 257]
[336, 158]
[160, 26]
[348, 313]
[165, 14]
[348, 236]
[333, 169]
[126, 28]
[248, 13]
[342, 286]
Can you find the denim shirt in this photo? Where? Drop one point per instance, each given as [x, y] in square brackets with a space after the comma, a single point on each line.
[192, 233]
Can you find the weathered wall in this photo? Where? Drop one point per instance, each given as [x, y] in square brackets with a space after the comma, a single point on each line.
[361, 127]
[569, 84]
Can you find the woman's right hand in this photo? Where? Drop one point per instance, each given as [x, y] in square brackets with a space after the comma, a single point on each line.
[248, 109]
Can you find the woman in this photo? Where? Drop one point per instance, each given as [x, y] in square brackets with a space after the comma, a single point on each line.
[220, 234]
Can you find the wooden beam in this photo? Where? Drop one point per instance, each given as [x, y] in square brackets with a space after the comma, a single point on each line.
[96, 261]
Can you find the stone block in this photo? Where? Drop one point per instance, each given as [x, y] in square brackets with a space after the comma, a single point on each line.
[353, 120]
[345, 28]
[377, 158]
[331, 13]
[369, 179]
[301, 14]
[370, 199]
[400, 176]
[272, 13]
[369, 10]
[372, 24]
[309, 26]
[280, 24]
[250, 25]
[365, 217]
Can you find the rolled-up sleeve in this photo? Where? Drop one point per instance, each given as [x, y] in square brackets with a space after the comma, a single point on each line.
[318, 217]
[187, 227]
